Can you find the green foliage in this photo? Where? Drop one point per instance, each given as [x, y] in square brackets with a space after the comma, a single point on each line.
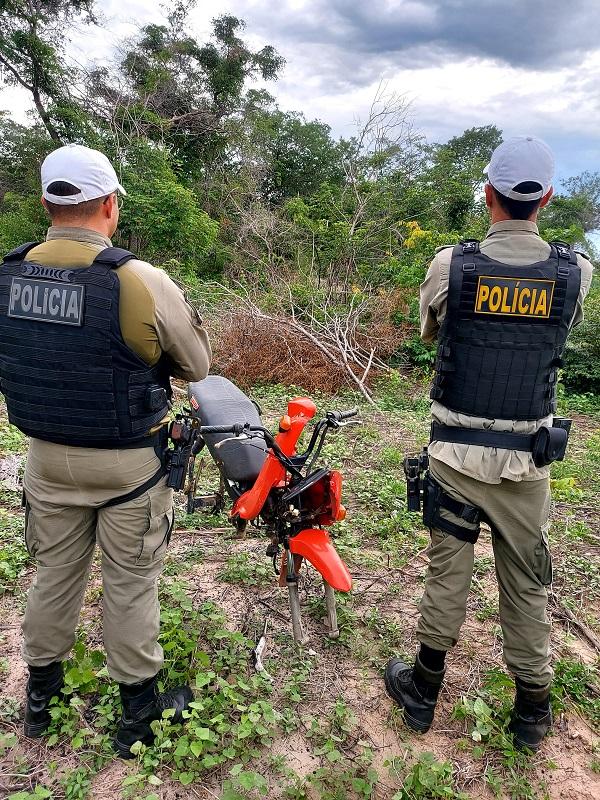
[577, 683]
[22, 150]
[230, 719]
[13, 554]
[301, 155]
[429, 778]
[39, 793]
[9, 709]
[578, 210]
[162, 219]
[573, 403]
[77, 783]
[487, 714]
[247, 569]
[182, 92]
[11, 439]
[582, 356]
[565, 489]
[22, 220]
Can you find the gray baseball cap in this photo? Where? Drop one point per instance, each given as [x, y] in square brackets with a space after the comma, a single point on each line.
[522, 159]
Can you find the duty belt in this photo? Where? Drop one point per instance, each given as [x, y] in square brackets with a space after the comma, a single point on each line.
[506, 441]
[546, 445]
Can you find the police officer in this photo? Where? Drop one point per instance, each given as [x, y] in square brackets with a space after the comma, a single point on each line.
[501, 311]
[89, 336]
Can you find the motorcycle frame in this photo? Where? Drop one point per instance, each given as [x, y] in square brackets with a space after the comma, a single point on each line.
[301, 541]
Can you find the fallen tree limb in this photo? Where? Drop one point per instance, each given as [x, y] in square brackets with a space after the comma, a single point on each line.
[562, 612]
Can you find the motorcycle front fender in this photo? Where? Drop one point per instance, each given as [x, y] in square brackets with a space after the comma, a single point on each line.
[315, 545]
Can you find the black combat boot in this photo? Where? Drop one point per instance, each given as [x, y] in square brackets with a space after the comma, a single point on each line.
[142, 704]
[531, 716]
[44, 683]
[415, 689]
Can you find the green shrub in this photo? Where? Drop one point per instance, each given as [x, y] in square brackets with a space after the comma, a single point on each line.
[582, 356]
[22, 219]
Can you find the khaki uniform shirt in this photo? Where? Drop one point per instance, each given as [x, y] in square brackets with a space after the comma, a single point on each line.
[155, 317]
[516, 243]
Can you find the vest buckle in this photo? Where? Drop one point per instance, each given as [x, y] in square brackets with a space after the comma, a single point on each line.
[469, 266]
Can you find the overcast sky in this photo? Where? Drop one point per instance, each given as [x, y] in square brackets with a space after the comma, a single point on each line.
[528, 66]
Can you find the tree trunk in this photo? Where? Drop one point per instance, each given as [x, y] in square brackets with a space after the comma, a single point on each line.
[45, 117]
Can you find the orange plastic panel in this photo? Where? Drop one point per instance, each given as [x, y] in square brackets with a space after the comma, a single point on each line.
[332, 514]
[315, 545]
[250, 504]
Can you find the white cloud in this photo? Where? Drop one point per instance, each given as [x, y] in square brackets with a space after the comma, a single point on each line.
[335, 79]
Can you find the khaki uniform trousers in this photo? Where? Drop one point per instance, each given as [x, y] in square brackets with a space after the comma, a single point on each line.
[65, 488]
[518, 512]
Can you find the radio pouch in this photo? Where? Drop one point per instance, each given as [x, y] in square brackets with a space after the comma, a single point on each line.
[550, 444]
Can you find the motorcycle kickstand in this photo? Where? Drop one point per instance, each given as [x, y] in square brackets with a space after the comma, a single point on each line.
[331, 618]
[294, 601]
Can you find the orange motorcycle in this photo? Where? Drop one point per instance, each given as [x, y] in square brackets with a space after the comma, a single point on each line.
[270, 484]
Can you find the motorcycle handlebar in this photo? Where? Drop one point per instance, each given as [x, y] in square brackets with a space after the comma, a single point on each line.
[239, 428]
[338, 416]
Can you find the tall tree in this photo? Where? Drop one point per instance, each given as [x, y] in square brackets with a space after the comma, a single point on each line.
[301, 155]
[179, 92]
[444, 192]
[578, 203]
[32, 37]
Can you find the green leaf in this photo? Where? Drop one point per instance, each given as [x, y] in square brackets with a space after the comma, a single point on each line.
[136, 748]
[183, 747]
[196, 748]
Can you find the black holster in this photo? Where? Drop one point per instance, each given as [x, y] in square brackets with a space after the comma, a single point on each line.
[435, 498]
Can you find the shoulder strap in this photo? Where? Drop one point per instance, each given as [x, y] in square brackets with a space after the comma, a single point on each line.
[568, 269]
[455, 279]
[113, 257]
[566, 258]
[470, 246]
[19, 253]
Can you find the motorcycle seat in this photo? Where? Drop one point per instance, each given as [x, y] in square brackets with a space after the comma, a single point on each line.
[217, 401]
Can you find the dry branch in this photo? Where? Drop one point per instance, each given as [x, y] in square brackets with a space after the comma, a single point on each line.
[333, 331]
[562, 612]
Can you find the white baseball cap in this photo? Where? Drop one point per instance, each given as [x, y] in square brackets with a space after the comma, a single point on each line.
[522, 159]
[88, 170]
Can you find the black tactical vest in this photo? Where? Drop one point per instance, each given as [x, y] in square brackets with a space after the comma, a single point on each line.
[502, 340]
[65, 371]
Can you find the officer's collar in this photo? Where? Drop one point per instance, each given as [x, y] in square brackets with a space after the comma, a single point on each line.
[514, 226]
[78, 235]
